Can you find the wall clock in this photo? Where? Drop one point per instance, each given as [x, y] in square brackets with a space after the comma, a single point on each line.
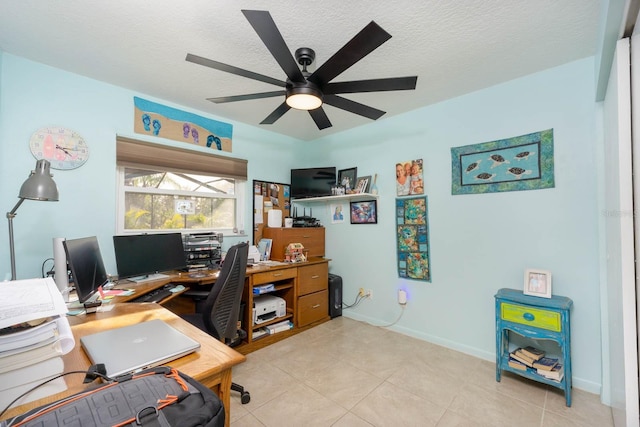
[62, 147]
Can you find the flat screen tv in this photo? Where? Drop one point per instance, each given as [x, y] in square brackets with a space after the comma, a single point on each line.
[87, 267]
[140, 256]
[312, 182]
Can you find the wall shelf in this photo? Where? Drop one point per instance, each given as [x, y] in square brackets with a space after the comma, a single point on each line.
[350, 197]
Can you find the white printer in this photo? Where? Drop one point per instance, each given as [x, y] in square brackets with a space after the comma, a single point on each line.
[268, 307]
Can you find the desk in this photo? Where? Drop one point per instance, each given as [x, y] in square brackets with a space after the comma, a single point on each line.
[211, 365]
[304, 287]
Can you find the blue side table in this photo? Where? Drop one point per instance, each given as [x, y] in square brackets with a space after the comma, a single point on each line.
[535, 318]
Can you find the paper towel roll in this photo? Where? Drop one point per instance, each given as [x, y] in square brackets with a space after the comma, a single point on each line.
[60, 264]
[274, 218]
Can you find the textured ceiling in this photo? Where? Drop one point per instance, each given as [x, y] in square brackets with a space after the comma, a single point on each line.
[454, 47]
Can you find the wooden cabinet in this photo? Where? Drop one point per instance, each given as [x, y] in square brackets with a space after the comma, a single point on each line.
[303, 286]
[534, 318]
[312, 238]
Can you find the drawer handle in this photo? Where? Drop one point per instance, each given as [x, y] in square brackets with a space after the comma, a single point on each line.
[316, 306]
[315, 276]
[529, 317]
[306, 237]
[277, 274]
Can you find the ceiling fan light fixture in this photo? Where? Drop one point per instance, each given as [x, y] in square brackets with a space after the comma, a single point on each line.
[303, 96]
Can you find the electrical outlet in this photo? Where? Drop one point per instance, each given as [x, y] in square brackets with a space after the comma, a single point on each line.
[369, 294]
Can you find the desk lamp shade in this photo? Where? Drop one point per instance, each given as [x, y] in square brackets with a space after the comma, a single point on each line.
[39, 186]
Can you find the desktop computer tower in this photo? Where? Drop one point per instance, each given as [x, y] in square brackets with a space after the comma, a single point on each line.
[335, 295]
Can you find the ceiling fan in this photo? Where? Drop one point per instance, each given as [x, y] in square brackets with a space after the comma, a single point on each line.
[308, 91]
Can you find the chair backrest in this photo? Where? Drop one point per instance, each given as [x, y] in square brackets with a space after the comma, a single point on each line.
[221, 309]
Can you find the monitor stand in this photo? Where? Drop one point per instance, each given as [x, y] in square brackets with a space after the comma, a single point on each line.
[148, 278]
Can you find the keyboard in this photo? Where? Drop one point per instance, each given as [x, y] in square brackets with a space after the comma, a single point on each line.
[156, 295]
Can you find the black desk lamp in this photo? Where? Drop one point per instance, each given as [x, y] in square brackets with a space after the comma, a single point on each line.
[39, 186]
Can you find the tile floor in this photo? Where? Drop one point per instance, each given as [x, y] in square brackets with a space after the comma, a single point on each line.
[346, 373]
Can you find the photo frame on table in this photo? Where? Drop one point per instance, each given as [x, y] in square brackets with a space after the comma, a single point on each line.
[537, 283]
[347, 178]
[362, 184]
[365, 212]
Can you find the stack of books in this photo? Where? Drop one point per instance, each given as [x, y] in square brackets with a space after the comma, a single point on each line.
[529, 357]
[34, 335]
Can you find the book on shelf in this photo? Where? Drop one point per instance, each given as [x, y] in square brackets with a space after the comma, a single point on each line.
[263, 289]
[556, 374]
[546, 363]
[532, 352]
[517, 355]
[285, 325]
[517, 365]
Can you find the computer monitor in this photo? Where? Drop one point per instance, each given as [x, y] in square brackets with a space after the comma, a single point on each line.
[87, 267]
[141, 255]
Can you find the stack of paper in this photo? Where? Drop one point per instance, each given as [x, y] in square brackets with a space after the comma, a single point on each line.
[34, 334]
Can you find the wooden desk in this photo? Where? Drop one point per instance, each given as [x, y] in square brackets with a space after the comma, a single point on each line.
[211, 364]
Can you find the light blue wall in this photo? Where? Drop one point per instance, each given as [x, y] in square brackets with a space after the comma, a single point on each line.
[478, 243]
[34, 95]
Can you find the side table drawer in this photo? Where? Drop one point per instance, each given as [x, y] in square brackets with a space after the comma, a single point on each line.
[539, 318]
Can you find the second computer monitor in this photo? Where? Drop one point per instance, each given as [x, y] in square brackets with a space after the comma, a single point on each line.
[140, 255]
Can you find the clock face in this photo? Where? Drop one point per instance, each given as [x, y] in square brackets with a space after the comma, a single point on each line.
[62, 147]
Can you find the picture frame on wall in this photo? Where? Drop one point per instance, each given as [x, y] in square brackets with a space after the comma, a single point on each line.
[347, 178]
[362, 184]
[537, 283]
[364, 212]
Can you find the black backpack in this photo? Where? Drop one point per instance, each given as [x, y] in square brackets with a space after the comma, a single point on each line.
[157, 397]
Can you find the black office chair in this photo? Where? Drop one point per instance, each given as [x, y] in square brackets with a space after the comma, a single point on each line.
[219, 312]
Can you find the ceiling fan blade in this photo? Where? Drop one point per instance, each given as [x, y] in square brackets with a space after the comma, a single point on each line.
[276, 114]
[362, 44]
[223, 99]
[320, 117]
[263, 24]
[233, 70]
[353, 107]
[374, 85]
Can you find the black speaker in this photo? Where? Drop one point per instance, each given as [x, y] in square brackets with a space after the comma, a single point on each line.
[335, 295]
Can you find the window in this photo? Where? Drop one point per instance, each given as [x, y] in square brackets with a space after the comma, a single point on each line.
[154, 196]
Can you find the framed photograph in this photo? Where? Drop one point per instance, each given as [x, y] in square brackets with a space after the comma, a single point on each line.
[364, 212]
[337, 214]
[537, 283]
[362, 184]
[347, 178]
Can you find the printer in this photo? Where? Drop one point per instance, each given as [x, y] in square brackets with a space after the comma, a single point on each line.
[268, 307]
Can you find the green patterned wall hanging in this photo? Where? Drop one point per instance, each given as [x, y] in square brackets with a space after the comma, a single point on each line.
[412, 228]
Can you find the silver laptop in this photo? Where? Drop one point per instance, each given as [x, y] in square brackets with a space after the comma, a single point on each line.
[140, 346]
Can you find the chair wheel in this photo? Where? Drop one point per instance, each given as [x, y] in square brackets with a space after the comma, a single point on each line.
[245, 397]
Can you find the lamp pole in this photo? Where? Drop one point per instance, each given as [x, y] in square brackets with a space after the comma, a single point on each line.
[10, 216]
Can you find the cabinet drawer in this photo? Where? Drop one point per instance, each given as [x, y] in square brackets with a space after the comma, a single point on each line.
[313, 278]
[539, 318]
[274, 276]
[313, 307]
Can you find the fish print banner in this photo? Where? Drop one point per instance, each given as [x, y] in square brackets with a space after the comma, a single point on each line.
[520, 163]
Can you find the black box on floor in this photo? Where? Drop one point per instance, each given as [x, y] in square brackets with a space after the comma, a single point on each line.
[335, 295]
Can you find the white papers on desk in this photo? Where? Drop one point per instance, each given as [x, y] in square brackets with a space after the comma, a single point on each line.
[19, 381]
[26, 300]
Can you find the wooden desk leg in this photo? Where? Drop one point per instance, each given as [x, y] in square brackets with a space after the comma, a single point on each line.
[225, 395]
